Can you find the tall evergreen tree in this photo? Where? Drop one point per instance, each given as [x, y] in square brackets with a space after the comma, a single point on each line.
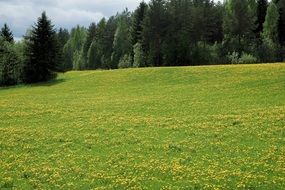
[238, 23]
[137, 21]
[6, 34]
[95, 52]
[62, 38]
[179, 33]
[41, 52]
[154, 30]
[122, 42]
[107, 44]
[281, 26]
[270, 33]
[72, 50]
[270, 30]
[261, 10]
[91, 34]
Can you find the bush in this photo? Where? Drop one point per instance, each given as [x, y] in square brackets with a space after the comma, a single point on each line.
[244, 59]
[247, 59]
[234, 58]
[125, 62]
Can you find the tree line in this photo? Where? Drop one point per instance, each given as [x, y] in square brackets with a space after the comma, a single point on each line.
[160, 33]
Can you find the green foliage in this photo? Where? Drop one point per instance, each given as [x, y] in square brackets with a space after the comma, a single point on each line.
[73, 48]
[176, 47]
[100, 44]
[137, 22]
[243, 59]
[107, 44]
[10, 63]
[154, 28]
[247, 59]
[78, 61]
[125, 62]
[122, 42]
[93, 56]
[91, 34]
[238, 23]
[204, 54]
[270, 33]
[270, 27]
[261, 10]
[62, 38]
[234, 58]
[139, 60]
[6, 34]
[41, 52]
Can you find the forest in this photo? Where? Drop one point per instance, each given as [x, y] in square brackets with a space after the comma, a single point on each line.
[155, 34]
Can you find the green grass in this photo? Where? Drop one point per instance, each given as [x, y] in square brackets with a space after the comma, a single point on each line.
[217, 127]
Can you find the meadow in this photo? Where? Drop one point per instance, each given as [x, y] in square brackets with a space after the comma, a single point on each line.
[212, 127]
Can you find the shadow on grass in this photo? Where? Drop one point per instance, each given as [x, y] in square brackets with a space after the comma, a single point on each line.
[40, 84]
[48, 83]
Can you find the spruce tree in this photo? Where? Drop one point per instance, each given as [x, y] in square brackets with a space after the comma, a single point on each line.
[122, 43]
[107, 44]
[6, 34]
[154, 30]
[281, 27]
[261, 14]
[91, 34]
[41, 52]
[96, 49]
[270, 33]
[137, 20]
[62, 38]
[238, 24]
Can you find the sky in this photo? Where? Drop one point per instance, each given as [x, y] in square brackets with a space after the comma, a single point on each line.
[22, 14]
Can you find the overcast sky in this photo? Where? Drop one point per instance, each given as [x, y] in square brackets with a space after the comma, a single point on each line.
[21, 14]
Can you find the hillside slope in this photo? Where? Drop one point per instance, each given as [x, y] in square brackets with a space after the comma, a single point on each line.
[191, 127]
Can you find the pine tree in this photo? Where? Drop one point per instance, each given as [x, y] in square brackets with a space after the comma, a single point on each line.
[122, 42]
[41, 52]
[154, 30]
[137, 21]
[7, 34]
[270, 32]
[261, 10]
[62, 38]
[91, 34]
[107, 44]
[270, 26]
[281, 26]
[179, 33]
[96, 51]
[238, 23]
[73, 49]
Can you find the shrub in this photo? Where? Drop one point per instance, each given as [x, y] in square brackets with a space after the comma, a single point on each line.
[125, 62]
[244, 59]
[234, 58]
[247, 59]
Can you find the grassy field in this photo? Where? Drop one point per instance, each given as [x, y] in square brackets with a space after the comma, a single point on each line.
[217, 127]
